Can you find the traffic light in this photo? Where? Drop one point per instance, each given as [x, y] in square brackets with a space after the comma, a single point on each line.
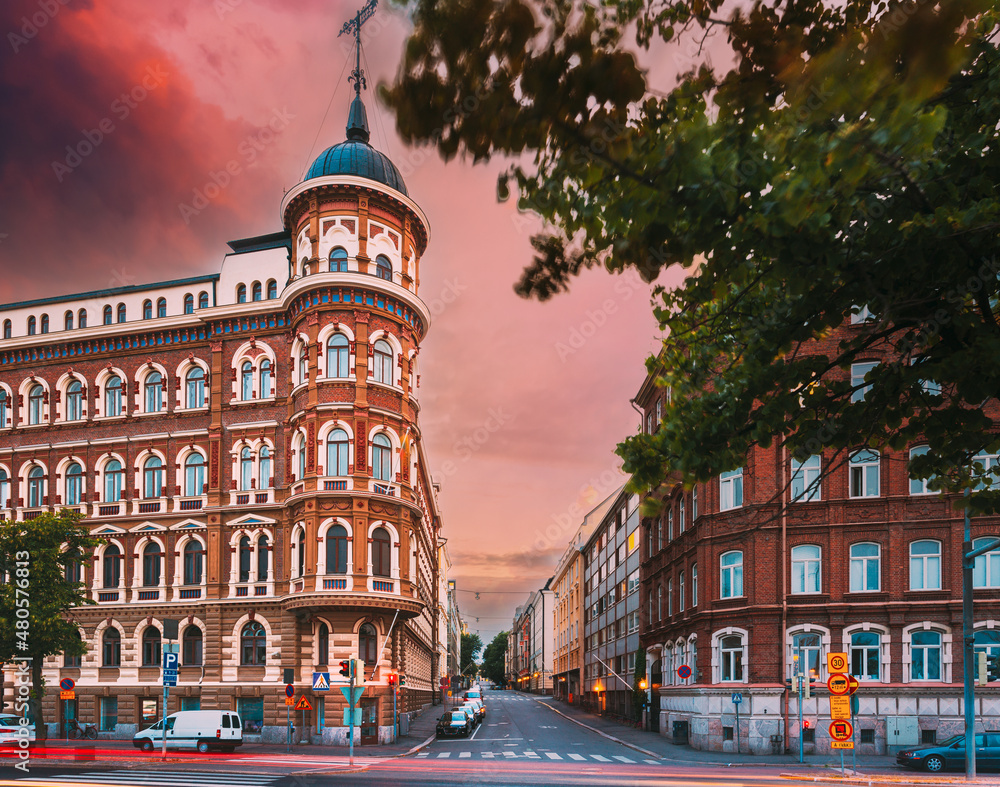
[345, 669]
[402, 681]
[992, 667]
[359, 672]
[805, 724]
[980, 668]
[393, 677]
[806, 687]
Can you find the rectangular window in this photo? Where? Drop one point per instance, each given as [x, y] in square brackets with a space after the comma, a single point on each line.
[680, 592]
[680, 515]
[864, 472]
[859, 388]
[631, 662]
[251, 710]
[925, 565]
[865, 573]
[190, 703]
[925, 652]
[868, 736]
[694, 503]
[633, 581]
[809, 736]
[806, 569]
[731, 575]
[149, 714]
[670, 525]
[805, 479]
[633, 541]
[694, 584]
[670, 597]
[731, 489]
[727, 733]
[109, 714]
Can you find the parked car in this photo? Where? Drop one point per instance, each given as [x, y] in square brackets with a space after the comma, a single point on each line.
[475, 693]
[469, 711]
[455, 723]
[480, 708]
[11, 729]
[951, 753]
[194, 729]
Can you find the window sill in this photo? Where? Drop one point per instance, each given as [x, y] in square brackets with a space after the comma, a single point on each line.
[248, 402]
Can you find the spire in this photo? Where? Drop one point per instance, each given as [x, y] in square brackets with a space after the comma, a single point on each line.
[357, 118]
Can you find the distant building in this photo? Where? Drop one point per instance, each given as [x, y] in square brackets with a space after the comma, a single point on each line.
[531, 662]
[455, 627]
[611, 604]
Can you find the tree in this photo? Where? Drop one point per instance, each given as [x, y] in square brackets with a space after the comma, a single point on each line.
[471, 645]
[493, 659]
[846, 163]
[40, 561]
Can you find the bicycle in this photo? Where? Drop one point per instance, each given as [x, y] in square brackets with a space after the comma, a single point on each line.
[76, 731]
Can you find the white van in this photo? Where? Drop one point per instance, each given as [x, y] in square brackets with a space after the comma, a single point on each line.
[194, 729]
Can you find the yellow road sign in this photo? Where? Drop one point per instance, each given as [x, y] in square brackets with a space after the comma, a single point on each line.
[289, 700]
[303, 704]
[836, 662]
[841, 744]
[840, 707]
[838, 684]
[67, 695]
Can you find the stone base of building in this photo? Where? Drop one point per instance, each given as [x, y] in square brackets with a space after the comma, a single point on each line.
[889, 718]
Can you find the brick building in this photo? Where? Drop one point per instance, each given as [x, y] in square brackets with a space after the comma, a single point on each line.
[246, 445]
[783, 558]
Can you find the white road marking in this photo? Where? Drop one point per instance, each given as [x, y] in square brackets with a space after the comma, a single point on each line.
[623, 759]
[553, 756]
[464, 755]
[653, 762]
[575, 756]
[444, 755]
[600, 758]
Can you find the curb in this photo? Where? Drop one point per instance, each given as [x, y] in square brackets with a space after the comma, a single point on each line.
[871, 781]
[602, 734]
[418, 747]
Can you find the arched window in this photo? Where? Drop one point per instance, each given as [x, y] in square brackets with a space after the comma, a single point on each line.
[731, 658]
[338, 260]
[866, 655]
[31, 325]
[265, 379]
[302, 553]
[323, 645]
[4, 403]
[189, 304]
[151, 565]
[731, 579]
[241, 293]
[194, 475]
[74, 402]
[367, 643]
[256, 292]
[36, 487]
[196, 387]
[45, 323]
[253, 644]
[152, 478]
[382, 361]
[4, 489]
[70, 660]
[264, 470]
[865, 568]
[113, 396]
[111, 643]
[987, 641]
[111, 559]
[203, 300]
[336, 550]
[919, 486]
[245, 556]
[161, 307]
[68, 321]
[925, 655]
[246, 468]
[192, 563]
[336, 453]
[74, 484]
[81, 318]
[154, 392]
[272, 290]
[303, 365]
[114, 480]
[806, 478]
[7, 329]
[986, 569]
[381, 458]
[383, 268]
[246, 381]
[192, 646]
[925, 565]
[337, 356]
[806, 569]
[108, 315]
[864, 473]
[36, 397]
[807, 648]
[121, 312]
[381, 553]
[151, 647]
[147, 310]
[302, 458]
[263, 559]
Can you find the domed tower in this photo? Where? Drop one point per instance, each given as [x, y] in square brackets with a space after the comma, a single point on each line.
[361, 509]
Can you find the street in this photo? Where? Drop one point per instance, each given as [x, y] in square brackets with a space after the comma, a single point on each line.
[521, 742]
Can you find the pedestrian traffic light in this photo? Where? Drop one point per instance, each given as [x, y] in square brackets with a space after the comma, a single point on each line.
[805, 724]
[992, 667]
[393, 677]
[980, 668]
[345, 669]
[359, 671]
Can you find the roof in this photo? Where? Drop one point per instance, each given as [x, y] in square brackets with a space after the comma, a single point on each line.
[81, 296]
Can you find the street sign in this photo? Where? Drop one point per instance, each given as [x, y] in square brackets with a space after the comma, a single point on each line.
[841, 730]
[841, 744]
[838, 684]
[836, 662]
[171, 647]
[445, 682]
[67, 695]
[67, 684]
[303, 704]
[170, 661]
[289, 690]
[840, 706]
[737, 698]
[321, 681]
[170, 680]
[853, 683]
[357, 717]
[684, 672]
[346, 691]
[290, 701]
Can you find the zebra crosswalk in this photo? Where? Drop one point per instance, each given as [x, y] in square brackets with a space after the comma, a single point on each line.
[531, 754]
[138, 778]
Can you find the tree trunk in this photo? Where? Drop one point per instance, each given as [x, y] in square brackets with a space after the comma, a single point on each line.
[37, 692]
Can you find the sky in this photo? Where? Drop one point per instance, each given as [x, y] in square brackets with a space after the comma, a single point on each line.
[115, 114]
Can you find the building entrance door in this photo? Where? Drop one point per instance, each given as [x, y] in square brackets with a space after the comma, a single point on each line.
[369, 721]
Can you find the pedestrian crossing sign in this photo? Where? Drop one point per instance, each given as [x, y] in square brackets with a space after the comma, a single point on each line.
[321, 681]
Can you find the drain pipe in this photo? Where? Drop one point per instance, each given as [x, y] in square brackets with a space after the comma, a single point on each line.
[784, 582]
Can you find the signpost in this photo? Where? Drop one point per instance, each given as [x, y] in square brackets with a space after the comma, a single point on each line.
[737, 698]
[836, 662]
[170, 664]
[842, 733]
[289, 702]
[66, 685]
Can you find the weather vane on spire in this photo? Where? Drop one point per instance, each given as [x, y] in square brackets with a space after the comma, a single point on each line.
[354, 26]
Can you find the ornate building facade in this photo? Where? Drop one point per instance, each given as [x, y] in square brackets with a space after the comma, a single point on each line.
[246, 445]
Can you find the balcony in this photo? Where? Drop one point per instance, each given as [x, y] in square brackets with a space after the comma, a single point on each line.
[384, 489]
[335, 584]
[154, 505]
[382, 586]
[190, 504]
[189, 593]
[149, 595]
[335, 486]
[246, 497]
[108, 597]
[109, 509]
